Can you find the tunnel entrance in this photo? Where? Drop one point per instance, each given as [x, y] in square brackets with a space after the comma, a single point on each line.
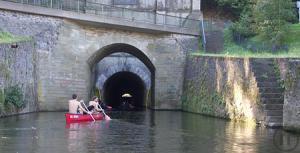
[121, 68]
[121, 83]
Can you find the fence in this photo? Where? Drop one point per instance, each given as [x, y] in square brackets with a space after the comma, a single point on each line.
[83, 6]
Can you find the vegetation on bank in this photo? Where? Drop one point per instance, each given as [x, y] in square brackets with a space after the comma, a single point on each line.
[232, 49]
[11, 99]
[6, 37]
[260, 28]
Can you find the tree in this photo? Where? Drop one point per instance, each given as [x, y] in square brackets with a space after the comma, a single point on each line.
[272, 18]
[236, 7]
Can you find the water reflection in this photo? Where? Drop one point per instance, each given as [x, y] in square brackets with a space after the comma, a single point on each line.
[147, 131]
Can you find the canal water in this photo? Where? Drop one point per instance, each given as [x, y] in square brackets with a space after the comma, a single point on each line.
[145, 131]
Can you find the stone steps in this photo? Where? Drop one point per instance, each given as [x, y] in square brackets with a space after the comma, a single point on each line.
[271, 93]
[267, 95]
[274, 124]
[264, 79]
[272, 100]
[271, 90]
[215, 41]
[268, 84]
[274, 112]
[274, 119]
[273, 106]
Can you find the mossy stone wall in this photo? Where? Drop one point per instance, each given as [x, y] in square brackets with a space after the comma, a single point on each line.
[222, 87]
[291, 108]
[18, 68]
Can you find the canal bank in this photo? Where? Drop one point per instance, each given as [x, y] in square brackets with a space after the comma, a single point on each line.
[257, 90]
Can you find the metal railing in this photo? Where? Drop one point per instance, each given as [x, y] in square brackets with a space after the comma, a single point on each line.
[83, 6]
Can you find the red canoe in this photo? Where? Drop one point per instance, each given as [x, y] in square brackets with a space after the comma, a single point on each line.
[71, 118]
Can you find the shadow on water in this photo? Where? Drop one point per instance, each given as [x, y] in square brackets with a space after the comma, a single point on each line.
[143, 131]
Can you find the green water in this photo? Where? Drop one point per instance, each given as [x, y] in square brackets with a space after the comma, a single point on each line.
[157, 132]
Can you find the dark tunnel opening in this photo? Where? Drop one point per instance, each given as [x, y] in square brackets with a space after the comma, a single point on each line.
[121, 83]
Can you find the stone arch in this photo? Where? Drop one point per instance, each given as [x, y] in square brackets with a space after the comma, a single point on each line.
[121, 47]
[115, 69]
[132, 50]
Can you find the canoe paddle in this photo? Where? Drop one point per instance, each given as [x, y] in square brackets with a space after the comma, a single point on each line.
[88, 110]
[106, 116]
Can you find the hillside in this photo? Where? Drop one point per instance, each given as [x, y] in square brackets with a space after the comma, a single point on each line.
[231, 49]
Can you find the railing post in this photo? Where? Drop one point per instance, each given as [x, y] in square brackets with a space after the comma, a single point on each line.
[51, 5]
[180, 22]
[78, 6]
[203, 35]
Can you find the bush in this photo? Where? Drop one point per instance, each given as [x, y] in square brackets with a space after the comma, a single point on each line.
[2, 99]
[272, 18]
[13, 95]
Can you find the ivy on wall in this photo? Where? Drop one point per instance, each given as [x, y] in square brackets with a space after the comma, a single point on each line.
[199, 99]
[221, 88]
[4, 70]
[11, 99]
[14, 96]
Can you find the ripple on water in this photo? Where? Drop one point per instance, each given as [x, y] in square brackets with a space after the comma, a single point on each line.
[133, 132]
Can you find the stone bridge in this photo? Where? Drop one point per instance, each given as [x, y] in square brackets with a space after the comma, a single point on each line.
[76, 53]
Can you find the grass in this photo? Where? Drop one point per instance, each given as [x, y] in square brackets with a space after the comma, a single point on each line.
[6, 37]
[233, 50]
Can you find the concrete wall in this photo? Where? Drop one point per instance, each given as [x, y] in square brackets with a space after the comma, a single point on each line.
[222, 87]
[18, 67]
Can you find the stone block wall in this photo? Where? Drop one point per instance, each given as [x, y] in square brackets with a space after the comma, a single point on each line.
[44, 32]
[64, 48]
[18, 67]
[291, 109]
[222, 87]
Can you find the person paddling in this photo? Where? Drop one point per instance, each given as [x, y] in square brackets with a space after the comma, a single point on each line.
[75, 106]
[93, 105]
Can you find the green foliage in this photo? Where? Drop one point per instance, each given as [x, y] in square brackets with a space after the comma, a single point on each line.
[278, 75]
[6, 37]
[267, 18]
[272, 18]
[13, 95]
[4, 70]
[2, 99]
[244, 26]
[231, 49]
[236, 7]
[198, 98]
